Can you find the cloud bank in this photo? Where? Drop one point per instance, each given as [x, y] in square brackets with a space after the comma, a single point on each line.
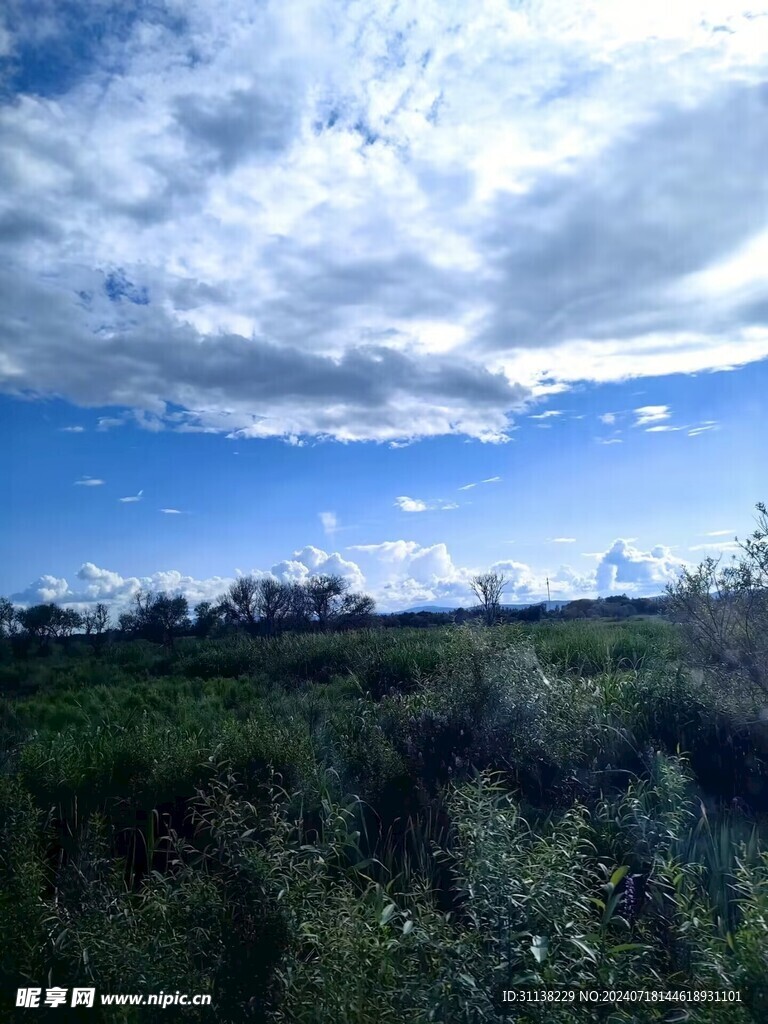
[365, 223]
[397, 573]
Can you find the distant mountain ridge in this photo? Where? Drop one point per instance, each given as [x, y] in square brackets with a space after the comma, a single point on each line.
[445, 609]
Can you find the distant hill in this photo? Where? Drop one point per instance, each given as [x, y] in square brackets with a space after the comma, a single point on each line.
[428, 608]
[551, 605]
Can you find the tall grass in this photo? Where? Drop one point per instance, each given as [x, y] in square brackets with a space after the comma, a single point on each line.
[377, 826]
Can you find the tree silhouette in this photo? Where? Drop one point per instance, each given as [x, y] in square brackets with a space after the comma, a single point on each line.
[488, 588]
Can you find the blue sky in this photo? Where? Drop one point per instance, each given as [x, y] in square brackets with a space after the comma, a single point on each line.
[410, 296]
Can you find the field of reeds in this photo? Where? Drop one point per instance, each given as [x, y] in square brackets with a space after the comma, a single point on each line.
[385, 826]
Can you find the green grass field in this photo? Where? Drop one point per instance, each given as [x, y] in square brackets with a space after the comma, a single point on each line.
[384, 825]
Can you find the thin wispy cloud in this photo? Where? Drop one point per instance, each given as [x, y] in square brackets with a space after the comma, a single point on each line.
[562, 540]
[329, 522]
[664, 428]
[609, 418]
[719, 533]
[549, 414]
[166, 511]
[132, 498]
[89, 481]
[108, 422]
[609, 440]
[651, 414]
[488, 480]
[703, 428]
[726, 545]
[72, 430]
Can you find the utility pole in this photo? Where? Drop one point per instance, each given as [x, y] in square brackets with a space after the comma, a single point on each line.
[549, 596]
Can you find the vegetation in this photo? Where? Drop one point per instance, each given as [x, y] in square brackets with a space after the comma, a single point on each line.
[345, 824]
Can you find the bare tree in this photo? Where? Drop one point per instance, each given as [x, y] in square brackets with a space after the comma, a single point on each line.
[299, 612]
[724, 610]
[488, 588]
[325, 593]
[273, 600]
[96, 623]
[96, 620]
[240, 604]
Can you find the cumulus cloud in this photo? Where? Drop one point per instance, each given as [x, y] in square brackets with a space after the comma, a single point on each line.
[406, 504]
[93, 583]
[398, 573]
[444, 212]
[609, 418]
[625, 567]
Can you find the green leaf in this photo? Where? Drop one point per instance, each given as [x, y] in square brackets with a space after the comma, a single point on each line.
[618, 874]
[580, 944]
[387, 913]
[407, 927]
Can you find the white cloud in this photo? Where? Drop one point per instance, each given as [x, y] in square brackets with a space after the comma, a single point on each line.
[167, 511]
[703, 428]
[625, 567]
[132, 498]
[398, 573]
[488, 480]
[609, 440]
[406, 504]
[723, 545]
[664, 428]
[88, 481]
[108, 422]
[608, 418]
[546, 415]
[329, 522]
[72, 430]
[720, 533]
[651, 414]
[428, 199]
[562, 540]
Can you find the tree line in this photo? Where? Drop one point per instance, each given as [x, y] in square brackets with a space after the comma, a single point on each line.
[259, 605]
